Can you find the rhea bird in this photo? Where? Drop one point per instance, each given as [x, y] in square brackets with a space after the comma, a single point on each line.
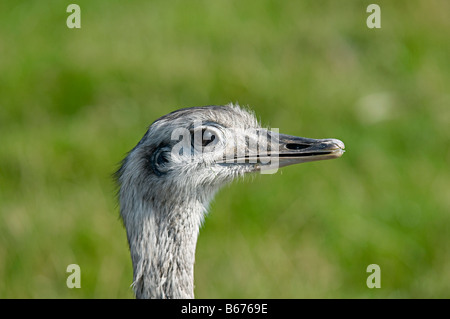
[168, 179]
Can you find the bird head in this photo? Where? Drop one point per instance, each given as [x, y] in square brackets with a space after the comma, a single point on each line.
[205, 147]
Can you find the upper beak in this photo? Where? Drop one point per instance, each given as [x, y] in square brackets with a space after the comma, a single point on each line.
[294, 150]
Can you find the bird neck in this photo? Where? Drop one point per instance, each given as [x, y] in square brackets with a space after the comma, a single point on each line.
[163, 239]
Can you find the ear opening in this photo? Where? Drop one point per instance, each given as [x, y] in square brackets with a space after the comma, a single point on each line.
[159, 161]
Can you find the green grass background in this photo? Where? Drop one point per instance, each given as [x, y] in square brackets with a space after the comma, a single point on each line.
[74, 101]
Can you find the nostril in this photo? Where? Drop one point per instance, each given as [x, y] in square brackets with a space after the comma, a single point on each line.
[292, 146]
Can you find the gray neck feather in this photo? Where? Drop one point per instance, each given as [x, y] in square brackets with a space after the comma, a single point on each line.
[162, 241]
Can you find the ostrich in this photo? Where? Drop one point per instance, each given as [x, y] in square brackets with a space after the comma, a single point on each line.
[168, 179]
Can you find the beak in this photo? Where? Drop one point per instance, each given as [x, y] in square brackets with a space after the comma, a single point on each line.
[271, 150]
[295, 150]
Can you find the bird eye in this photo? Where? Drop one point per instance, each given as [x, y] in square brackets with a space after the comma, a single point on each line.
[208, 137]
[204, 137]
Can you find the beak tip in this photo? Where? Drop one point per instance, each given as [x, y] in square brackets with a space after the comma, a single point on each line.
[338, 147]
[338, 143]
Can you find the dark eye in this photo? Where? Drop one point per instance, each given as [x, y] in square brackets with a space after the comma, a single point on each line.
[204, 137]
[208, 137]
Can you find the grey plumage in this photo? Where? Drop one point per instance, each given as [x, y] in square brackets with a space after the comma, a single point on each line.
[164, 195]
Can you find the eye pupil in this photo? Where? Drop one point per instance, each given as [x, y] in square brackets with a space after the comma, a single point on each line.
[208, 137]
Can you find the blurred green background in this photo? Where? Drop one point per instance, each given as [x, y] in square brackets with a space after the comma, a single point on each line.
[74, 101]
